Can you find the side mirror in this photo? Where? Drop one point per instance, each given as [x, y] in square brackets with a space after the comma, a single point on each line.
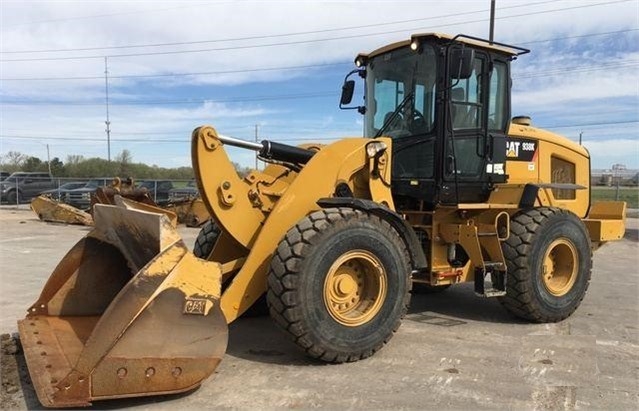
[461, 63]
[347, 92]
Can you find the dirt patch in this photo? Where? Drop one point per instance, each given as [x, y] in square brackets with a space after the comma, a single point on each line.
[14, 372]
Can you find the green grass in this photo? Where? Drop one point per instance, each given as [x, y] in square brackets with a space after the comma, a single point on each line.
[628, 194]
[179, 184]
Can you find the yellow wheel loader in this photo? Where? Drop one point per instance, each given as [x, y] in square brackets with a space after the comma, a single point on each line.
[444, 188]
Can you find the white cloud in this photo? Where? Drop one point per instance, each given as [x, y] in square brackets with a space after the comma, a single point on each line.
[196, 21]
[580, 87]
[62, 25]
[606, 153]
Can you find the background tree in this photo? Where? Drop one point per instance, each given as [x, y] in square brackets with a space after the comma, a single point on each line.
[32, 164]
[124, 161]
[77, 166]
[57, 167]
[13, 160]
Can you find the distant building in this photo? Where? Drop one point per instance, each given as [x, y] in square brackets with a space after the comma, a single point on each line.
[609, 177]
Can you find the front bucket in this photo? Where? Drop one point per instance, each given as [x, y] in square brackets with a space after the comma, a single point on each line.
[50, 210]
[129, 311]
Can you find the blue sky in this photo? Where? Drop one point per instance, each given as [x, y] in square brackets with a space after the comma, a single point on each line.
[582, 74]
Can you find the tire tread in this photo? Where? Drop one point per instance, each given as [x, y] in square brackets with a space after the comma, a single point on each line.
[520, 299]
[283, 278]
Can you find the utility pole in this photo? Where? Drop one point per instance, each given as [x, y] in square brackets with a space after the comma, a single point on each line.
[492, 21]
[49, 159]
[580, 133]
[256, 151]
[107, 122]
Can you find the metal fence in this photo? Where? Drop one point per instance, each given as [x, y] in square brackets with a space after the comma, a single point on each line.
[22, 189]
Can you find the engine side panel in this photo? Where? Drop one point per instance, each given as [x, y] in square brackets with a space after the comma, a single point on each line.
[560, 167]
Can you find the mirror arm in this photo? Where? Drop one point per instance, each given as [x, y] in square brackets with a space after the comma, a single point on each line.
[362, 73]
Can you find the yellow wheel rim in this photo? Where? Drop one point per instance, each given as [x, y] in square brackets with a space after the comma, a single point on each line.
[355, 288]
[559, 270]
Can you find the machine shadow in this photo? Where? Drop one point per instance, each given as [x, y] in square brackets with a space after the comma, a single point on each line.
[258, 339]
[632, 234]
[139, 401]
[458, 304]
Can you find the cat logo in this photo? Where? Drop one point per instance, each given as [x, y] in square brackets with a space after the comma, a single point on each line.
[519, 149]
[512, 149]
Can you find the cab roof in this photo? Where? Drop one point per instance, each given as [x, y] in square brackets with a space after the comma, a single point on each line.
[509, 50]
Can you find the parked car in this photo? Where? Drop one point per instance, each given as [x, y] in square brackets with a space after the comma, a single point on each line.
[81, 197]
[183, 193]
[22, 186]
[158, 189]
[4, 174]
[59, 192]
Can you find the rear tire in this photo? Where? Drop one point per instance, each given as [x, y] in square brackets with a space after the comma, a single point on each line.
[549, 262]
[339, 284]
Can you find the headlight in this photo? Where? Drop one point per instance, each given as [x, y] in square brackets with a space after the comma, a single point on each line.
[375, 148]
[361, 61]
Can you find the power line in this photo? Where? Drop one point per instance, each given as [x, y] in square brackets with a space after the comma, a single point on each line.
[575, 69]
[579, 36]
[299, 41]
[103, 15]
[547, 73]
[190, 101]
[186, 132]
[273, 128]
[204, 73]
[186, 139]
[300, 33]
[590, 124]
[132, 140]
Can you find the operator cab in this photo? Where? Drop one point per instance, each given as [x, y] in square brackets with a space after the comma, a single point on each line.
[445, 102]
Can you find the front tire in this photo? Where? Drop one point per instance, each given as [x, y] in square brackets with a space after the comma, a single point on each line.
[204, 244]
[206, 239]
[339, 284]
[549, 262]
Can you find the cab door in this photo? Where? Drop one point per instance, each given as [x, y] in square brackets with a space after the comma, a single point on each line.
[476, 119]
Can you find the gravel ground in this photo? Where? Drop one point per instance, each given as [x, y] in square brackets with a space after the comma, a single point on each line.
[453, 351]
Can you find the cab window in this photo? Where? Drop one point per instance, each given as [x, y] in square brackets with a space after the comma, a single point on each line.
[498, 99]
[466, 99]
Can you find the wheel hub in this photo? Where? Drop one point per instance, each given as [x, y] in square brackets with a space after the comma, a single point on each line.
[559, 269]
[346, 286]
[355, 288]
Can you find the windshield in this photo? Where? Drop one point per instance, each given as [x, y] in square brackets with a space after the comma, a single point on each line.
[14, 177]
[400, 93]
